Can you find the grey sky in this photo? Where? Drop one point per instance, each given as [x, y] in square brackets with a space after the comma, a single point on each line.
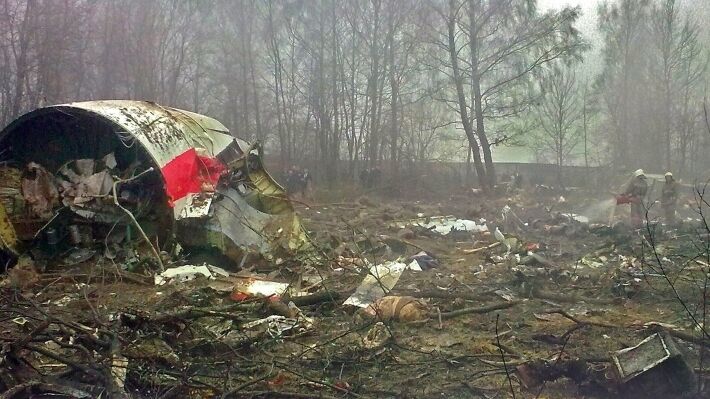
[585, 4]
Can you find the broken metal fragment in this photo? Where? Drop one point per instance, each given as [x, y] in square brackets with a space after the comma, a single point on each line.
[654, 368]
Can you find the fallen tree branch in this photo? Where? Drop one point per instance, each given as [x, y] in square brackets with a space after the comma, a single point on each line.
[578, 321]
[479, 310]
[442, 294]
[543, 294]
[318, 297]
[69, 362]
[684, 336]
[17, 345]
[477, 250]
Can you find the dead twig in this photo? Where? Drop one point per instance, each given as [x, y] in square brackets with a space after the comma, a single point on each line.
[17, 345]
[133, 218]
[476, 250]
[542, 294]
[656, 327]
[69, 362]
[581, 322]
[502, 356]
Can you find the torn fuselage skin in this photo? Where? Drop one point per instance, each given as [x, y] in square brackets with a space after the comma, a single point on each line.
[198, 185]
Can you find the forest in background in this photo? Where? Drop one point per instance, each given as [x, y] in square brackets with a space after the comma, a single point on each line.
[348, 85]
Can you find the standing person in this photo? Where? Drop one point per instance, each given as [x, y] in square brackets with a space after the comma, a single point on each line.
[293, 184]
[636, 191]
[306, 183]
[290, 177]
[669, 198]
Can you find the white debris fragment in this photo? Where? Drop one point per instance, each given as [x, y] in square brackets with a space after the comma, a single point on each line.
[580, 218]
[261, 287]
[414, 265]
[182, 274]
[446, 224]
[218, 271]
[379, 281]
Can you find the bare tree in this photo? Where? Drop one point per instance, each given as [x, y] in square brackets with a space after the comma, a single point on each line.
[622, 26]
[559, 113]
[676, 44]
[494, 47]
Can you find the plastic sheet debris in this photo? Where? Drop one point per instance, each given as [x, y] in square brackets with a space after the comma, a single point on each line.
[654, 367]
[445, 225]
[379, 281]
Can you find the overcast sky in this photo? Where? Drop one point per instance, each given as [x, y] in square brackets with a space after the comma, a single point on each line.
[585, 4]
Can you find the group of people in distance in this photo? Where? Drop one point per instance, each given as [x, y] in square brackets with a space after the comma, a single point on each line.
[636, 190]
[299, 182]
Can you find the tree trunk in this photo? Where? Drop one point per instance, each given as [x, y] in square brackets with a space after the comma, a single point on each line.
[462, 104]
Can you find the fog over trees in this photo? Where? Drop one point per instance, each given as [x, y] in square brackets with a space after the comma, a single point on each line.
[355, 84]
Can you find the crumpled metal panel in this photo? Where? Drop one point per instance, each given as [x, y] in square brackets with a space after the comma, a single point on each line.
[235, 226]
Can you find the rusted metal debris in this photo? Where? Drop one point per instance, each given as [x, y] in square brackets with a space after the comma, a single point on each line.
[202, 189]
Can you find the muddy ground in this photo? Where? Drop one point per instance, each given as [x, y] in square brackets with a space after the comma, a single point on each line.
[487, 316]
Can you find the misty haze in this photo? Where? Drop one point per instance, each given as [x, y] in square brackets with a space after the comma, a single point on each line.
[354, 199]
